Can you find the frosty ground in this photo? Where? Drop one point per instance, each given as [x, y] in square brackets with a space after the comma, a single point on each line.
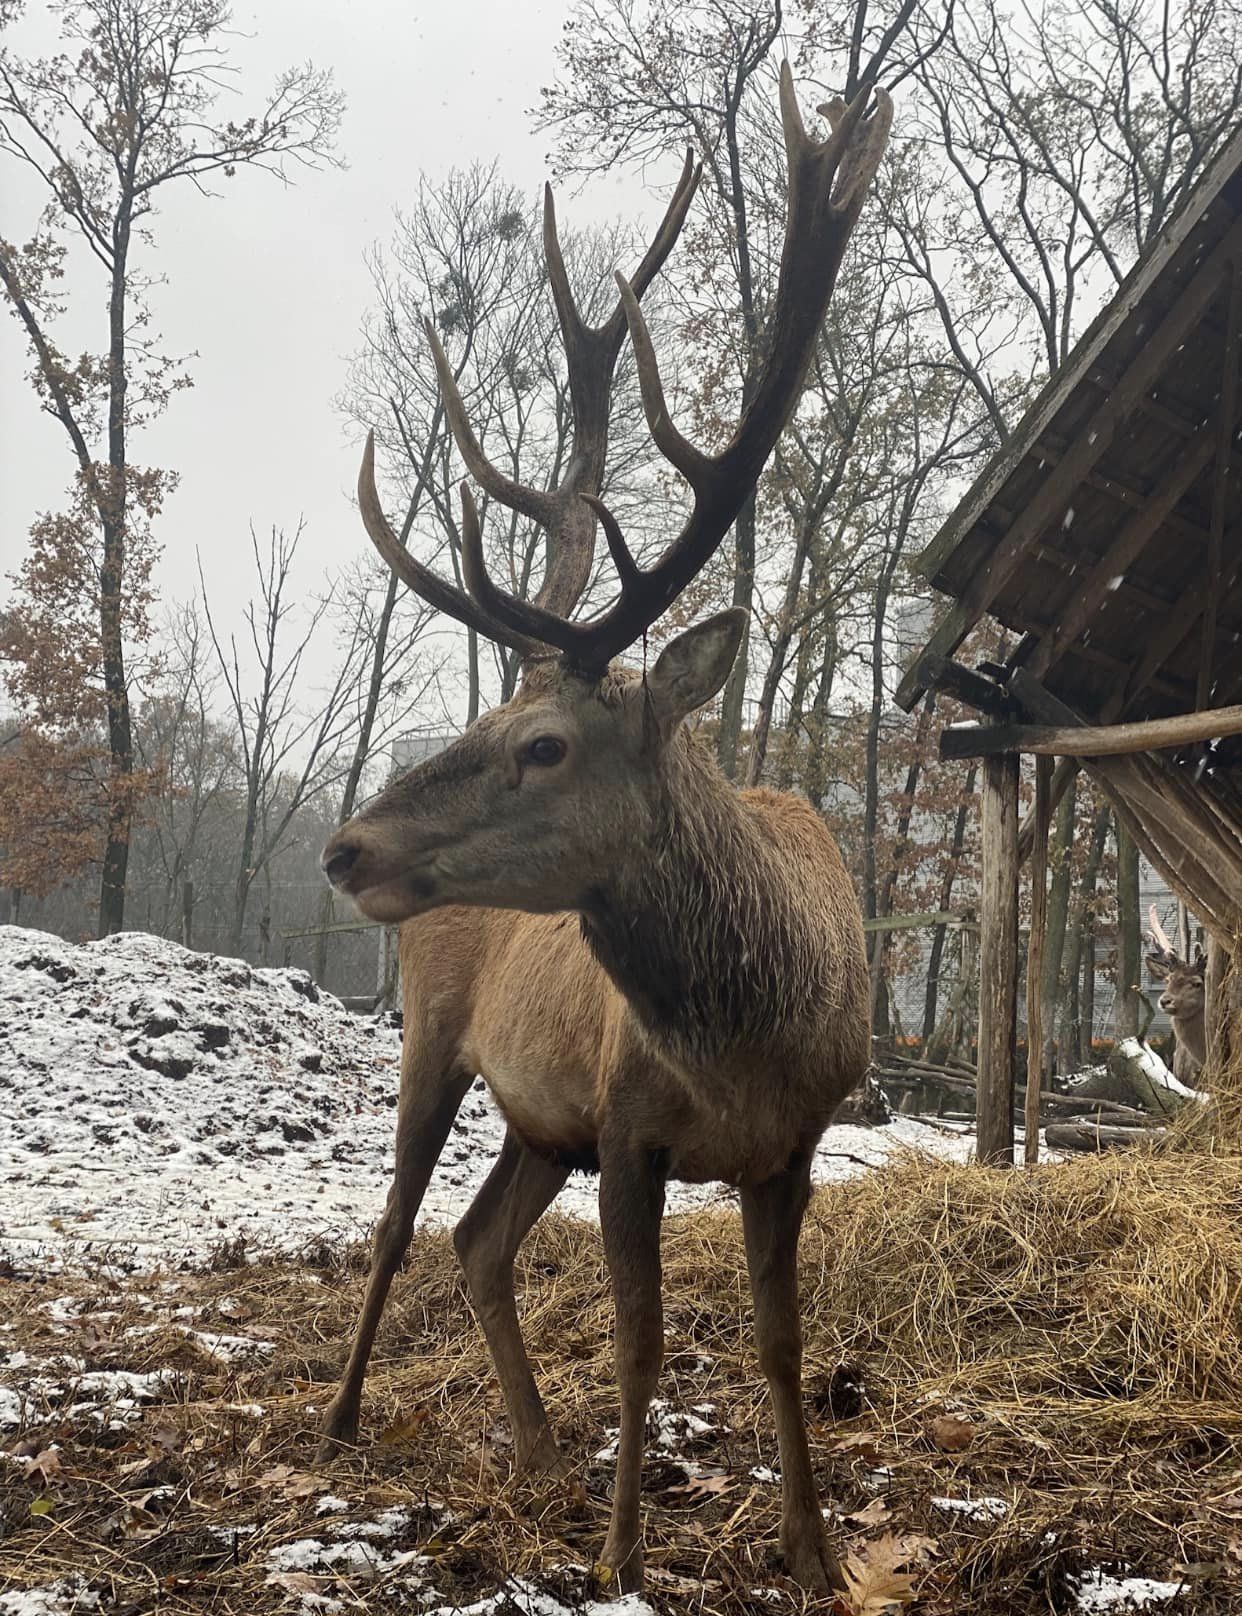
[1025, 1391]
[158, 1104]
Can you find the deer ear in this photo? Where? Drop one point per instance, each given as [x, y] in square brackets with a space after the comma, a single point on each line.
[1158, 967]
[691, 669]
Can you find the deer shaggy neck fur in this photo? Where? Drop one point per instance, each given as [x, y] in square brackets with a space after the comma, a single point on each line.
[737, 924]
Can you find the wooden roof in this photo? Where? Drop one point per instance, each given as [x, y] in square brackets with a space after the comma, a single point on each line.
[1101, 532]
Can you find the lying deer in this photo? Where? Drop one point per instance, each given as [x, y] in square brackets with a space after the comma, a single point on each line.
[1182, 1001]
[657, 976]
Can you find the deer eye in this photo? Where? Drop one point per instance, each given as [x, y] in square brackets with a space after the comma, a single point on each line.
[546, 750]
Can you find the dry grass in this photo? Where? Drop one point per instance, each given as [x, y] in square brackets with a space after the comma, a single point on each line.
[1084, 1319]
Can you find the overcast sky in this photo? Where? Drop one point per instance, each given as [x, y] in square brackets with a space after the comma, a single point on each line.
[267, 283]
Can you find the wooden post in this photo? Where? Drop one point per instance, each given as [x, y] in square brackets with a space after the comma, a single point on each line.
[1035, 956]
[998, 960]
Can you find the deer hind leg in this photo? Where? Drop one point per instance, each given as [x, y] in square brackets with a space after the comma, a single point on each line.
[772, 1219]
[429, 1101]
[631, 1204]
[518, 1190]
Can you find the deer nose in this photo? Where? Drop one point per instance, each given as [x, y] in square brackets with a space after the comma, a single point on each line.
[339, 860]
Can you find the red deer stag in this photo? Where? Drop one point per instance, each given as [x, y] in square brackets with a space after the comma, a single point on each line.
[1182, 1001]
[658, 976]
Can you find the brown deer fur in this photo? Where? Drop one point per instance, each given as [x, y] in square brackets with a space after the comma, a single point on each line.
[656, 975]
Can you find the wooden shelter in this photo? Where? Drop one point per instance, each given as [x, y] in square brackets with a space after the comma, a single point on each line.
[1106, 535]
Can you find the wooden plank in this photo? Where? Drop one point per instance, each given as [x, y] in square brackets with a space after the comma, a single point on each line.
[1089, 594]
[1227, 414]
[1083, 740]
[1035, 957]
[1053, 496]
[932, 917]
[1087, 353]
[1171, 628]
[964, 684]
[998, 960]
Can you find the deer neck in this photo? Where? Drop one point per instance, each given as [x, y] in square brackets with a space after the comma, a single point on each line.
[1191, 1031]
[697, 927]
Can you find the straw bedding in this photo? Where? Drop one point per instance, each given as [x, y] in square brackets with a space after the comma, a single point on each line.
[1011, 1378]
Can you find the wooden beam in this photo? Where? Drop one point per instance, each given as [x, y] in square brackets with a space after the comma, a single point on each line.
[1084, 740]
[931, 917]
[1049, 502]
[1088, 595]
[1227, 414]
[1172, 627]
[964, 684]
[998, 960]
[1035, 957]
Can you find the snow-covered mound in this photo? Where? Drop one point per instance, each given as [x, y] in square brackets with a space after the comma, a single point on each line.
[156, 1103]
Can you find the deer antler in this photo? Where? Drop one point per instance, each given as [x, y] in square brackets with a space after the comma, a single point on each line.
[592, 353]
[828, 181]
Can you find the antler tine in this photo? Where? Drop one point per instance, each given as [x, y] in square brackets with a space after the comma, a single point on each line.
[529, 501]
[1159, 936]
[692, 463]
[424, 583]
[828, 181]
[628, 571]
[523, 620]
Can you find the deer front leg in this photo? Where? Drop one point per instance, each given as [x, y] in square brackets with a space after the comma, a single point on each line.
[518, 1190]
[631, 1204]
[429, 1102]
[772, 1219]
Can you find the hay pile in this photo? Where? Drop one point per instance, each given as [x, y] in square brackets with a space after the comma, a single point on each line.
[1051, 1381]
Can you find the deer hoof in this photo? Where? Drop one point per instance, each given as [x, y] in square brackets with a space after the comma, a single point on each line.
[338, 1433]
[621, 1574]
[812, 1565]
[543, 1459]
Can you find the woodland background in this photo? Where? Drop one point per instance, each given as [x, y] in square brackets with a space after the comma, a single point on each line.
[163, 767]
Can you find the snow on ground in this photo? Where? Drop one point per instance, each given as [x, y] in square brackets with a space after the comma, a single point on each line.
[156, 1104]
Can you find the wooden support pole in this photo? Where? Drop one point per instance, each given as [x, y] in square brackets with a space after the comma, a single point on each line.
[1089, 740]
[998, 960]
[1035, 956]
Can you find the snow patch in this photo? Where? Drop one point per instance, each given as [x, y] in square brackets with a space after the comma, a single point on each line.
[157, 1105]
[1102, 1591]
[974, 1509]
[68, 1597]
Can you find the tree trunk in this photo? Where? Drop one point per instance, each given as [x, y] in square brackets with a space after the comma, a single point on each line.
[815, 783]
[113, 510]
[939, 933]
[1058, 908]
[1129, 936]
[1080, 940]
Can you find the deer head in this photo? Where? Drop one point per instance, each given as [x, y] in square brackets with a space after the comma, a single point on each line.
[544, 795]
[1184, 995]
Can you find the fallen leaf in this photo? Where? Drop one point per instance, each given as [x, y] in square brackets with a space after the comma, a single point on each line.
[951, 1434]
[44, 1466]
[405, 1428]
[296, 1582]
[700, 1487]
[873, 1514]
[918, 1548]
[292, 1483]
[872, 1580]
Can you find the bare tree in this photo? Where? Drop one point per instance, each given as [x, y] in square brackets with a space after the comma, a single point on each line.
[287, 756]
[127, 109]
